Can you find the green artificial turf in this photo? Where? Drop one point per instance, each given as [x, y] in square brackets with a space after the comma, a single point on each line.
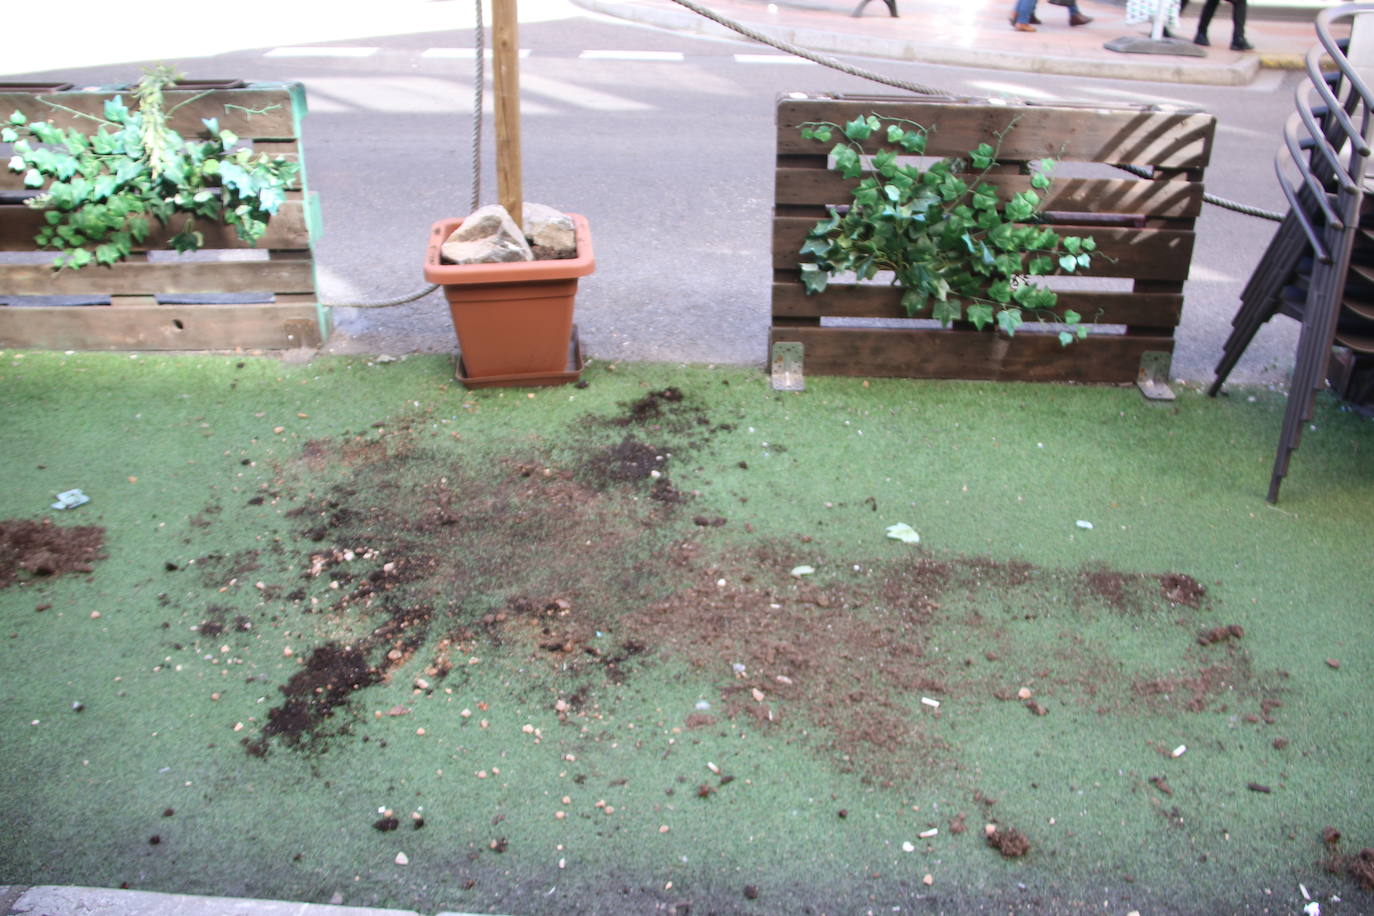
[217, 480]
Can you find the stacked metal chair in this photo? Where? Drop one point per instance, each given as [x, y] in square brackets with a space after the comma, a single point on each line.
[1305, 273]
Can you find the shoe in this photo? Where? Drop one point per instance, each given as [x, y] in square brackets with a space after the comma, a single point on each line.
[1034, 20]
[1079, 19]
[1201, 39]
[1240, 44]
[1023, 27]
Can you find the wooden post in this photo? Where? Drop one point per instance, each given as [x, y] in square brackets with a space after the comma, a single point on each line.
[506, 82]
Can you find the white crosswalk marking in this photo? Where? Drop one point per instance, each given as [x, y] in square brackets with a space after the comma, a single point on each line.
[465, 53]
[772, 59]
[672, 56]
[322, 52]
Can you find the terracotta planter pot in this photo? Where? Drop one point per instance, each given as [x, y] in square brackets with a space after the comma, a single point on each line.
[513, 319]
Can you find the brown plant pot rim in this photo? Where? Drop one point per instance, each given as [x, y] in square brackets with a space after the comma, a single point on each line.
[507, 271]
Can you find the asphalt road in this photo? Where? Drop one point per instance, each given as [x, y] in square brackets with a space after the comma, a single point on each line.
[663, 140]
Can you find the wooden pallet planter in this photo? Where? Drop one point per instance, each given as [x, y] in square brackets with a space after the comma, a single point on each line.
[1143, 228]
[157, 299]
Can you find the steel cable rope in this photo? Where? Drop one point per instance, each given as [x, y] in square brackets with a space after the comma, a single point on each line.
[478, 81]
[786, 47]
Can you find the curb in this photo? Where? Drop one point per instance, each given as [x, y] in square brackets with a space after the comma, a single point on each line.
[54, 900]
[1241, 73]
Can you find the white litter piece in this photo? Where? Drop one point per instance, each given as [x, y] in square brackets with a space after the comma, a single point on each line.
[904, 533]
[927, 834]
[933, 704]
[1313, 909]
[1179, 751]
[800, 571]
[1086, 526]
[70, 499]
[908, 846]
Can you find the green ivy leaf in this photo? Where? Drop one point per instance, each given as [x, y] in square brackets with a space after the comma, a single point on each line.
[947, 311]
[814, 279]
[1073, 244]
[1067, 263]
[885, 163]
[1065, 338]
[914, 301]
[8, 135]
[76, 259]
[116, 110]
[999, 291]
[913, 142]
[980, 314]
[847, 161]
[1040, 181]
[858, 129]
[1071, 317]
[982, 156]
[17, 119]
[1008, 320]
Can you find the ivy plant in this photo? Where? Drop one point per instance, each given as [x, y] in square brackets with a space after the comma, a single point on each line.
[102, 189]
[952, 242]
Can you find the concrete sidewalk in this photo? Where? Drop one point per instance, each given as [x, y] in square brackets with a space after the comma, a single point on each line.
[978, 33]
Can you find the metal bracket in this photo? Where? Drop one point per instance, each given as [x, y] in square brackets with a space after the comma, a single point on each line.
[787, 366]
[1153, 380]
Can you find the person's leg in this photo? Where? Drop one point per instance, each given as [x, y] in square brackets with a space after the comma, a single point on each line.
[1016, 7]
[1238, 42]
[1204, 20]
[1077, 18]
[1025, 9]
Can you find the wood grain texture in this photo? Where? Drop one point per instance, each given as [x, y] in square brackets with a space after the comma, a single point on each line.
[192, 327]
[967, 354]
[1089, 133]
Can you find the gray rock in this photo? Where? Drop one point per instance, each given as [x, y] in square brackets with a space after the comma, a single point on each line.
[487, 236]
[551, 233]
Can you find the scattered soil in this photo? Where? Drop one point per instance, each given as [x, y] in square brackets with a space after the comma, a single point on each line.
[43, 550]
[1362, 868]
[419, 561]
[1220, 634]
[1009, 841]
[330, 676]
[1136, 592]
[1197, 690]
[784, 647]
[651, 407]
[1182, 589]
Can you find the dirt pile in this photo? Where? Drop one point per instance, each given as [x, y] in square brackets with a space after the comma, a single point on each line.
[42, 549]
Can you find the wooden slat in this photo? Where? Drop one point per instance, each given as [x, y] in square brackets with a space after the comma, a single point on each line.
[1091, 133]
[1172, 199]
[287, 229]
[961, 354]
[842, 300]
[260, 111]
[1153, 254]
[288, 276]
[196, 327]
